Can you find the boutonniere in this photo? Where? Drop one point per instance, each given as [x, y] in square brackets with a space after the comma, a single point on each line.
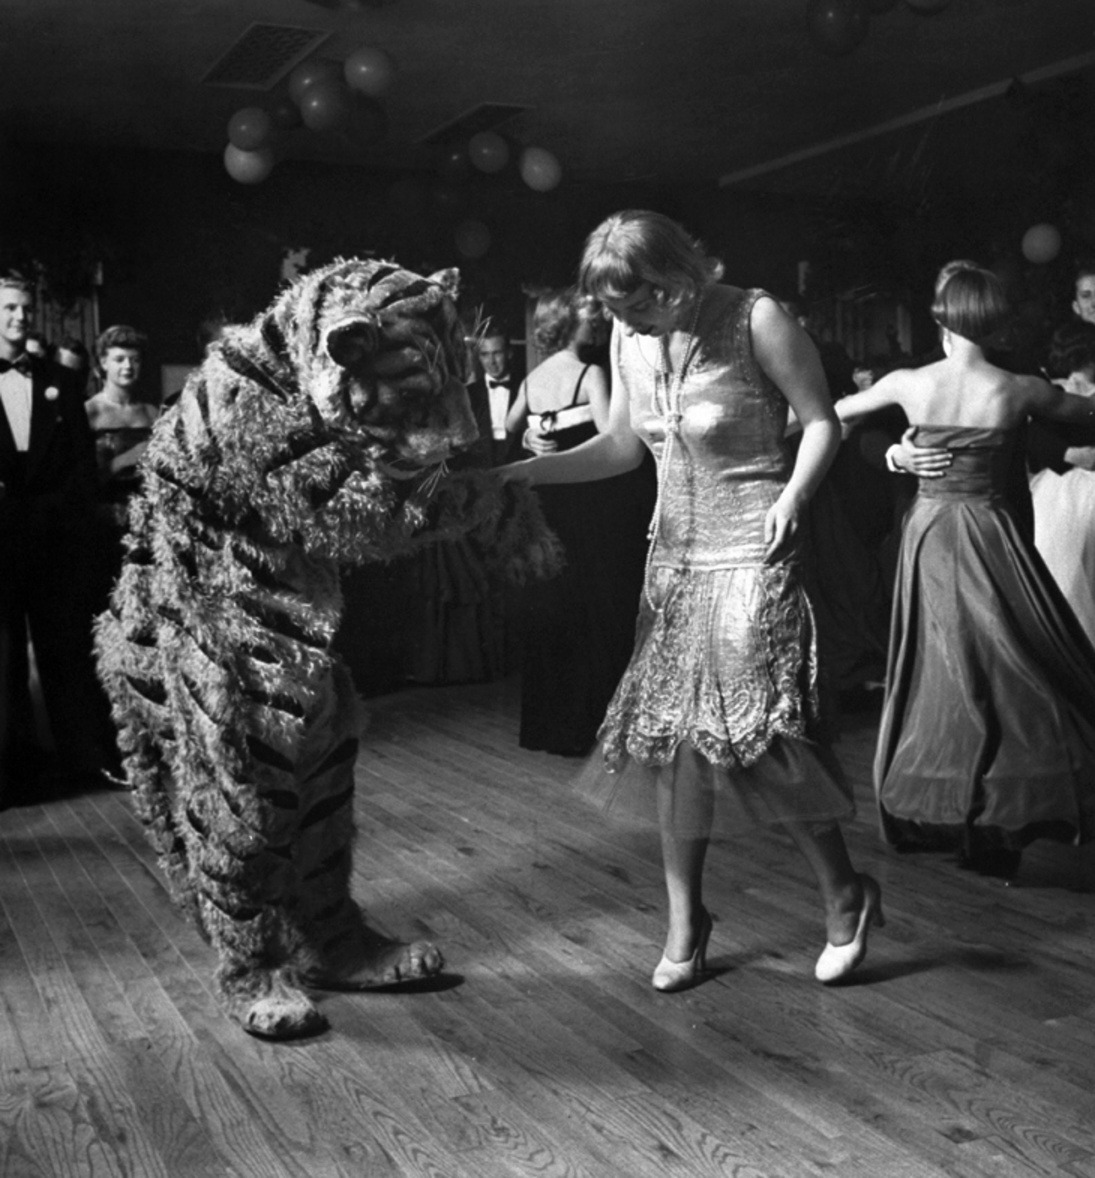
[52, 393]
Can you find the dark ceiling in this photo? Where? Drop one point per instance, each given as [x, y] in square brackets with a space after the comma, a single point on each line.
[708, 91]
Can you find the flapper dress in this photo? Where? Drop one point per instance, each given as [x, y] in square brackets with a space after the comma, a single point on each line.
[720, 699]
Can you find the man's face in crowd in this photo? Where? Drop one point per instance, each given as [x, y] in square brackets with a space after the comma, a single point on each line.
[16, 310]
[494, 355]
[1084, 302]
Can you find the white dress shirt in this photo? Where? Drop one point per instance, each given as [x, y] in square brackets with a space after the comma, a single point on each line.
[498, 394]
[15, 391]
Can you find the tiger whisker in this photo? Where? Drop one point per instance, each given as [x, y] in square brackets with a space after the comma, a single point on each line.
[432, 480]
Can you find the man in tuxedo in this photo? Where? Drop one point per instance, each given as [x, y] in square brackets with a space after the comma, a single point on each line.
[47, 491]
[494, 392]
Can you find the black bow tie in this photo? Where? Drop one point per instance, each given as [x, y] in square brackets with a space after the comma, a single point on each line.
[20, 364]
[497, 384]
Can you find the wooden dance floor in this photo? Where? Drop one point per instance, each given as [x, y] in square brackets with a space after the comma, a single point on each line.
[965, 1046]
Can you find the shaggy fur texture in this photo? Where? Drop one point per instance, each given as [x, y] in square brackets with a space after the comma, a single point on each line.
[301, 443]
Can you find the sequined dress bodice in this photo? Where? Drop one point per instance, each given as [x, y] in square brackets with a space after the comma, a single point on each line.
[730, 460]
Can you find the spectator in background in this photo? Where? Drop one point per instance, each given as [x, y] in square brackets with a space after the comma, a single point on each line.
[577, 628]
[1083, 302]
[494, 392]
[47, 492]
[121, 419]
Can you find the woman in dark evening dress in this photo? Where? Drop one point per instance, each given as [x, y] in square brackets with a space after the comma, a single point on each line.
[121, 421]
[987, 739]
[577, 628]
[716, 714]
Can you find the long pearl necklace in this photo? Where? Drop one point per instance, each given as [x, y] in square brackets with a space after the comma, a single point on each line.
[671, 419]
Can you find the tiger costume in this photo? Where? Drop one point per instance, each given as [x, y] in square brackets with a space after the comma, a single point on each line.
[300, 443]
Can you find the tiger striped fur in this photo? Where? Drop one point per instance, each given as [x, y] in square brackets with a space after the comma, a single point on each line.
[299, 444]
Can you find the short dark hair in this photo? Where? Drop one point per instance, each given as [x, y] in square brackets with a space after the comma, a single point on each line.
[1072, 349]
[121, 335]
[970, 301]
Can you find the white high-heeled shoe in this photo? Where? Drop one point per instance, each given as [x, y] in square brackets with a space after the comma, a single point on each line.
[837, 961]
[679, 975]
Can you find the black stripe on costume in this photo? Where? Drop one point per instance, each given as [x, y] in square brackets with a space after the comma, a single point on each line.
[327, 807]
[346, 751]
[265, 755]
[330, 864]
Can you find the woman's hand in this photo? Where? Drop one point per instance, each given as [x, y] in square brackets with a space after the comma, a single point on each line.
[538, 443]
[781, 525]
[923, 461]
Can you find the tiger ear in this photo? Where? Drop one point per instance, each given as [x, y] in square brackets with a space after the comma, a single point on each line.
[351, 342]
[448, 280]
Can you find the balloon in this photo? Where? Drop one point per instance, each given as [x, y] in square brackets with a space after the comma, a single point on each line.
[540, 169]
[837, 26]
[250, 128]
[927, 5]
[248, 167]
[309, 73]
[369, 71]
[325, 105]
[472, 239]
[488, 151]
[1041, 243]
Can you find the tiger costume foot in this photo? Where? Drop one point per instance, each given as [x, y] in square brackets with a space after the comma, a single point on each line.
[383, 963]
[286, 1012]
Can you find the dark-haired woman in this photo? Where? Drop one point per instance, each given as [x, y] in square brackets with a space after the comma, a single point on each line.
[121, 420]
[987, 739]
[576, 628]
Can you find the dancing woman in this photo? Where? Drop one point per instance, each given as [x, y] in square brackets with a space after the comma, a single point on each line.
[987, 738]
[717, 710]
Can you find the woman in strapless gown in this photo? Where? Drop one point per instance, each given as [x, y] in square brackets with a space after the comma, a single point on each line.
[716, 717]
[121, 421]
[987, 739]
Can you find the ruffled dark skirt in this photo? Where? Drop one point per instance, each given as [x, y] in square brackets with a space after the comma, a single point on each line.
[987, 736]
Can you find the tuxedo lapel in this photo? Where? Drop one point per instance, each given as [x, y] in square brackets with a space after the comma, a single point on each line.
[44, 415]
[7, 438]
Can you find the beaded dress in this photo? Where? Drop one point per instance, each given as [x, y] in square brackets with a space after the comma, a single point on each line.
[721, 694]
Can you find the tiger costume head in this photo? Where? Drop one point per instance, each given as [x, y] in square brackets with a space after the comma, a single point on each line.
[380, 352]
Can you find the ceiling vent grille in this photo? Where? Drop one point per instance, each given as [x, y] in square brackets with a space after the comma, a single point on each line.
[487, 116]
[263, 55]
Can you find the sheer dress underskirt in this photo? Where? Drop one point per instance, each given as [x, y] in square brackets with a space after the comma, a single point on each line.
[718, 711]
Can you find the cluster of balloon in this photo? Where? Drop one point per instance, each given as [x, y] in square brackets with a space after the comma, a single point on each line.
[488, 152]
[1041, 243]
[839, 26]
[324, 95]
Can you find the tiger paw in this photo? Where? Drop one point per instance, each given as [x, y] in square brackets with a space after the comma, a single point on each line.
[284, 1013]
[387, 963]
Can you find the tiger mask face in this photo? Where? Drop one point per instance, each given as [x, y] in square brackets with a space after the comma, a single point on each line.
[384, 356]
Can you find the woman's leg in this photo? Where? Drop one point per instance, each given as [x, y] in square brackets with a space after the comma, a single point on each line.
[684, 849]
[841, 887]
